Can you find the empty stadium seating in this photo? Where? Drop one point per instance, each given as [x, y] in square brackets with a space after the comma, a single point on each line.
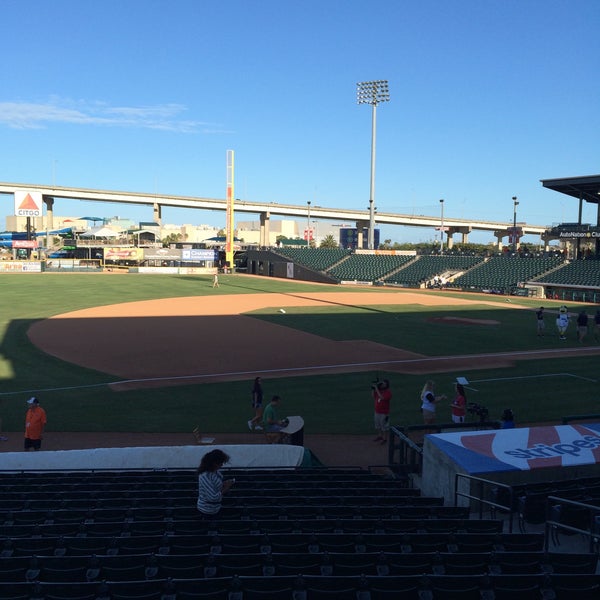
[578, 272]
[137, 536]
[368, 267]
[425, 268]
[503, 273]
[318, 259]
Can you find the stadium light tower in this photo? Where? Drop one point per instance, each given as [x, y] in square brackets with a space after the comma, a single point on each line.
[308, 224]
[373, 93]
[515, 204]
[442, 228]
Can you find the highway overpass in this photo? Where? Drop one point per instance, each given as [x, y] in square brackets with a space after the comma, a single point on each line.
[266, 210]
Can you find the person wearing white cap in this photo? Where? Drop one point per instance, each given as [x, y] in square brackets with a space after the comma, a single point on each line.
[35, 422]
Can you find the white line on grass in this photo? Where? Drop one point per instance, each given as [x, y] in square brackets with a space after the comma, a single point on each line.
[534, 377]
[425, 359]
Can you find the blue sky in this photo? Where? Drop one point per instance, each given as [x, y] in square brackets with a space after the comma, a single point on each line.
[487, 98]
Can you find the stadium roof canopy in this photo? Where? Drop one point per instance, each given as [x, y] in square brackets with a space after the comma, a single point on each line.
[585, 188]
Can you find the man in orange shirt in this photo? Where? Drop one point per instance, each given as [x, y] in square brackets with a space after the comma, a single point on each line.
[35, 421]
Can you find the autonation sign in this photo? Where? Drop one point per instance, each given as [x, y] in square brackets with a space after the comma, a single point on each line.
[575, 231]
[579, 234]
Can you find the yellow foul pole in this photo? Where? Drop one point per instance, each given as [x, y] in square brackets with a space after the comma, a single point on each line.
[229, 225]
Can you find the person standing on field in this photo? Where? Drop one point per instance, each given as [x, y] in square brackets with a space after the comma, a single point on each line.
[541, 325]
[582, 325]
[35, 422]
[562, 322]
[257, 400]
[459, 404]
[428, 402]
[382, 396]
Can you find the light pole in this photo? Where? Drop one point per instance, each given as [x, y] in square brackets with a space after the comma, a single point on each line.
[442, 227]
[515, 204]
[308, 226]
[372, 92]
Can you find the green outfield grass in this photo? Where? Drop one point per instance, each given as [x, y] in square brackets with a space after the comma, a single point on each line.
[78, 399]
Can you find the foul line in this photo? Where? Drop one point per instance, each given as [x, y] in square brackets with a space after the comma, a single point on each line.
[535, 377]
[427, 359]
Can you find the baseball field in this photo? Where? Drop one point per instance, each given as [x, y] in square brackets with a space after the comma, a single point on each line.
[163, 353]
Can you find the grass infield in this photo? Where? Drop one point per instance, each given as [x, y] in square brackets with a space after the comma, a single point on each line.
[78, 399]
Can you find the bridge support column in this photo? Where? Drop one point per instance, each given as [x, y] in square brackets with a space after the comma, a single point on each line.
[157, 213]
[499, 235]
[360, 227]
[462, 230]
[49, 202]
[265, 234]
[546, 239]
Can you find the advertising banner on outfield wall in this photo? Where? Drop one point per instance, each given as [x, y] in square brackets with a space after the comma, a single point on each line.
[123, 254]
[20, 266]
[198, 255]
[521, 449]
[162, 254]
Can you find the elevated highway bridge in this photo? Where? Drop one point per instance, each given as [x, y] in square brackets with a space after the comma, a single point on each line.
[265, 210]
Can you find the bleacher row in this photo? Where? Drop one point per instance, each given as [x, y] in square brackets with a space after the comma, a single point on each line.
[302, 534]
[473, 272]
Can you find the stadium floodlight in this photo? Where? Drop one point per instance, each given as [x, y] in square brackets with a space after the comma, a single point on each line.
[442, 227]
[373, 93]
[308, 224]
[514, 233]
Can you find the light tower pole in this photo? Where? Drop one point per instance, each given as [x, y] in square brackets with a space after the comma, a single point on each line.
[372, 92]
[308, 224]
[442, 227]
[515, 204]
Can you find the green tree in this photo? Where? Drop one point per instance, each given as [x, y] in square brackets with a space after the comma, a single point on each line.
[328, 242]
[172, 238]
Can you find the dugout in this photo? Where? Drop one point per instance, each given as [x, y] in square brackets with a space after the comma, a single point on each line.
[271, 264]
[510, 456]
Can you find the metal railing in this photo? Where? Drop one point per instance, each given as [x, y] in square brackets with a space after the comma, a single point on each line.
[554, 511]
[566, 420]
[482, 485]
[408, 453]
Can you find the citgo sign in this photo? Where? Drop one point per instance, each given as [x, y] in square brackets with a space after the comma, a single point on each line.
[28, 204]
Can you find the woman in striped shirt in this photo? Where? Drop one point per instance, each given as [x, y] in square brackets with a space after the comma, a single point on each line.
[211, 485]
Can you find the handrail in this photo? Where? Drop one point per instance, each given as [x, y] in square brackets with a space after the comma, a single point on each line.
[566, 420]
[412, 452]
[480, 499]
[593, 532]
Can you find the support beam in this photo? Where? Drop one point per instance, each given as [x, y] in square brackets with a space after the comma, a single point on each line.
[462, 230]
[49, 202]
[157, 213]
[265, 235]
[360, 227]
[499, 235]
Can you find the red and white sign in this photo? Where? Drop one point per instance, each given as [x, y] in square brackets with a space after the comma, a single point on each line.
[309, 234]
[522, 448]
[28, 204]
[24, 244]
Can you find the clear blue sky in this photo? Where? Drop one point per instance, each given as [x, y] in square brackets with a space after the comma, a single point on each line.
[487, 98]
